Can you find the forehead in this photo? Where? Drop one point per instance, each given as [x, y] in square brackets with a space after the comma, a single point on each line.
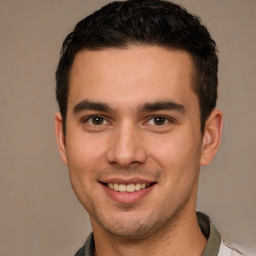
[134, 74]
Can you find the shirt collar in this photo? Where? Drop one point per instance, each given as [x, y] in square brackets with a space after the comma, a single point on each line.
[210, 232]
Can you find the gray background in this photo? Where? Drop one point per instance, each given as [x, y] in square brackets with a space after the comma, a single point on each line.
[39, 214]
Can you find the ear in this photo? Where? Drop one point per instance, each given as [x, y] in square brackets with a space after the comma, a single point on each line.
[60, 137]
[212, 136]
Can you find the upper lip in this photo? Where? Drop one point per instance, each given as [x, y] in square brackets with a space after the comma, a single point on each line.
[126, 181]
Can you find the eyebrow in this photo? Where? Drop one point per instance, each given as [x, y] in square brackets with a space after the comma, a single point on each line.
[147, 107]
[162, 105]
[91, 105]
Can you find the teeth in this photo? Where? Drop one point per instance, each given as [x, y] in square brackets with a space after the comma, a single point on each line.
[122, 188]
[131, 188]
[138, 186]
[116, 187]
[127, 188]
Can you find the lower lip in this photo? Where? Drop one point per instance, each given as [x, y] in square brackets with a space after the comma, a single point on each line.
[127, 197]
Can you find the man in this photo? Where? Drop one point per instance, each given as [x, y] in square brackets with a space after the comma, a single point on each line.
[137, 90]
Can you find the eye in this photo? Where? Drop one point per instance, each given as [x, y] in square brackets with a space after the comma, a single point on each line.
[158, 120]
[96, 120]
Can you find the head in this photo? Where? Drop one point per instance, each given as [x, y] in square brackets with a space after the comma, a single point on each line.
[136, 84]
[144, 23]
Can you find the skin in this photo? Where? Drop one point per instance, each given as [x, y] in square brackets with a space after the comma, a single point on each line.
[133, 116]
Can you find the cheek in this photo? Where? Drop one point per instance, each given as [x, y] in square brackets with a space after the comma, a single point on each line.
[85, 155]
[176, 154]
[83, 149]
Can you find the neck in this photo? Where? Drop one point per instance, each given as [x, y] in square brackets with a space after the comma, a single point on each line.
[181, 237]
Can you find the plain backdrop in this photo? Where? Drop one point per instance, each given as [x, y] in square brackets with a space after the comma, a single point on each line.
[39, 214]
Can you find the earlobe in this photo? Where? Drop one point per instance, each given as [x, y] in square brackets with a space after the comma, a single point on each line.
[212, 136]
[60, 137]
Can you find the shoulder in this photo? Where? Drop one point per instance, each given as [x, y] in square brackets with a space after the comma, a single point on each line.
[227, 249]
[80, 252]
[88, 248]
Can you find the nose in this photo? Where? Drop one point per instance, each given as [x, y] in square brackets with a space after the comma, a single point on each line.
[126, 147]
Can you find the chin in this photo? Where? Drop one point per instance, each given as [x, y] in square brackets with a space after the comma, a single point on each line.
[132, 232]
[132, 228]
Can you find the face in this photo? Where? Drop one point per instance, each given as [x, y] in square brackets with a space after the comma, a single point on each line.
[133, 143]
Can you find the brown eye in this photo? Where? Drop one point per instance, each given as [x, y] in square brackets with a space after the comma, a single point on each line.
[97, 120]
[95, 123]
[159, 120]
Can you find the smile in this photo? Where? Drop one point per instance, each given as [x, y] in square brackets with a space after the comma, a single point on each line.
[127, 191]
[127, 188]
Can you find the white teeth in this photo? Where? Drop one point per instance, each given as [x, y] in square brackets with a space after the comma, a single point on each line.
[127, 188]
[138, 186]
[130, 188]
[122, 188]
[116, 187]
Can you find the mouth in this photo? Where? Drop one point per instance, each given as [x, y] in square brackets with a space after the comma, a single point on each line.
[127, 191]
[130, 188]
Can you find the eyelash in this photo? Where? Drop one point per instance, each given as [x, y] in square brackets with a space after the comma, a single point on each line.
[166, 119]
[151, 118]
[86, 120]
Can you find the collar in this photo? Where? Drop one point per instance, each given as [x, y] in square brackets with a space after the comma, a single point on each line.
[210, 232]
